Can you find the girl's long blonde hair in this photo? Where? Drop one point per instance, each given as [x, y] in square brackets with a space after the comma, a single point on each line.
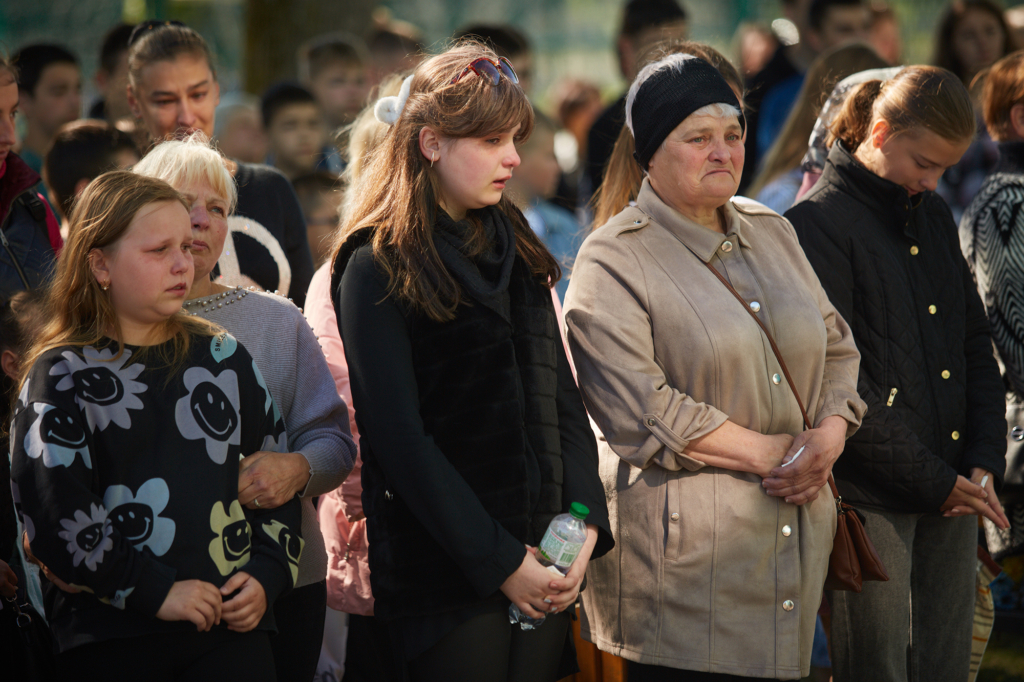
[399, 191]
[77, 310]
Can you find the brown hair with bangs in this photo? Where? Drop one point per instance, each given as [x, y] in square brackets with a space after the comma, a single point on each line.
[399, 191]
[916, 97]
[78, 311]
[623, 176]
[1002, 89]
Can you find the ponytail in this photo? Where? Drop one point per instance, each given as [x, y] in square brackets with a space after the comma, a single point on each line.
[622, 180]
[916, 97]
[851, 125]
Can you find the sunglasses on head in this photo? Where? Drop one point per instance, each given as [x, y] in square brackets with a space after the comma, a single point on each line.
[492, 71]
[145, 27]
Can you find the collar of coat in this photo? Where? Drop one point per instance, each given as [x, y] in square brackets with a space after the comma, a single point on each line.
[891, 203]
[697, 238]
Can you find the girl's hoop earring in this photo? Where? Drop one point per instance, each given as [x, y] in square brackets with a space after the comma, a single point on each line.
[431, 159]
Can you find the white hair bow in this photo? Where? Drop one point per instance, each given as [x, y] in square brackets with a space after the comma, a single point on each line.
[388, 109]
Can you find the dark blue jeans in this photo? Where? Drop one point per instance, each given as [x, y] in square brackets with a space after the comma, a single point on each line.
[918, 626]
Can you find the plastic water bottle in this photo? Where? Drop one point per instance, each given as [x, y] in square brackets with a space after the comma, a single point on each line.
[560, 546]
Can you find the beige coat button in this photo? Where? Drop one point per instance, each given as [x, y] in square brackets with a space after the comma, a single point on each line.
[776, 379]
[755, 306]
[650, 422]
[675, 516]
[727, 246]
[787, 531]
[945, 374]
[788, 605]
[932, 309]
[914, 250]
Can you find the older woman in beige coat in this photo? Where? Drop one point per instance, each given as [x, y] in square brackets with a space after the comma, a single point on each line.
[722, 533]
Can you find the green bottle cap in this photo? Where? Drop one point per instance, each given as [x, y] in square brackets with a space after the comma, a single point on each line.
[578, 510]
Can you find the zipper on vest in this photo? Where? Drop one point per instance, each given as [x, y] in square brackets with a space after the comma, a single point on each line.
[14, 259]
[892, 397]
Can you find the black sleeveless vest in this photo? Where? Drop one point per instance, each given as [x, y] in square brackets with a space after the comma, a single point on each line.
[487, 392]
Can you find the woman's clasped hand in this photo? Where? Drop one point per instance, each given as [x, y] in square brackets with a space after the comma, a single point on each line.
[805, 469]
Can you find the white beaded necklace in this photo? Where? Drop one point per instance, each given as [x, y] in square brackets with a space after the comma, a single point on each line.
[197, 305]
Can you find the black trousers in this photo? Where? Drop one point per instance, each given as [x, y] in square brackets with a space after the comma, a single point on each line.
[641, 672]
[489, 649]
[300, 632]
[190, 656]
[369, 653]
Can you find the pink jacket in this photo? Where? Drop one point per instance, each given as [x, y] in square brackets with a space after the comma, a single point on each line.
[341, 511]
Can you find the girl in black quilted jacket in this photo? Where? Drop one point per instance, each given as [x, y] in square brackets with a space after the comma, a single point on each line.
[929, 456]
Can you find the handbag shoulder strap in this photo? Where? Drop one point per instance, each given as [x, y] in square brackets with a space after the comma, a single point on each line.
[778, 356]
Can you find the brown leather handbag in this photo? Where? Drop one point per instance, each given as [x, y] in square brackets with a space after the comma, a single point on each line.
[853, 559]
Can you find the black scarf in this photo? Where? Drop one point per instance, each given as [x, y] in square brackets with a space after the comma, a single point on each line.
[485, 276]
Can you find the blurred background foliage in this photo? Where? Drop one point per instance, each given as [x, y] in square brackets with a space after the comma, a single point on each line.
[255, 40]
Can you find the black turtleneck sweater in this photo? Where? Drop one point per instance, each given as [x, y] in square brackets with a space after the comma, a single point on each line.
[891, 265]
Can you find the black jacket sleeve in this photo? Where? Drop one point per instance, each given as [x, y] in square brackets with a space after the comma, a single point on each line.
[884, 449]
[379, 354]
[579, 457]
[986, 393]
[66, 520]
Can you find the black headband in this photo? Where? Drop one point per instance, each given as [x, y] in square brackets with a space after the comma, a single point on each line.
[669, 96]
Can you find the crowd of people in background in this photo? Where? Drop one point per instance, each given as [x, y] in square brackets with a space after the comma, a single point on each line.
[295, 381]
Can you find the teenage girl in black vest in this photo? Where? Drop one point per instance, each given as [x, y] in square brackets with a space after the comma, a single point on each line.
[473, 432]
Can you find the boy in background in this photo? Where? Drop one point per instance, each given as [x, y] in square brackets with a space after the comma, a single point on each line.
[238, 128]
[333, 67]
[533, 183]
[296, 135]
[112, 76]
[320, 195]
[82, 151]
[50, 90]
